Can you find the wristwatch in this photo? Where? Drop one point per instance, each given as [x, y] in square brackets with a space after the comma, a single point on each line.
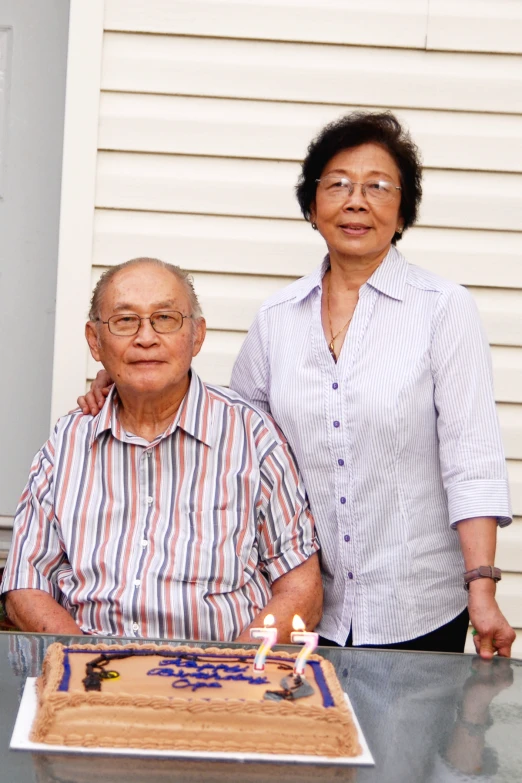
[475, 729]
[482, 572]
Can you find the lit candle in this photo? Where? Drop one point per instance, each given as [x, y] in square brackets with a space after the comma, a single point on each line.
[268, 634]
[301, 636]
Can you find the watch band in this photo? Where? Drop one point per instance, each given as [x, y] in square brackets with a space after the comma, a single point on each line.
[472, 727]
[482, 572]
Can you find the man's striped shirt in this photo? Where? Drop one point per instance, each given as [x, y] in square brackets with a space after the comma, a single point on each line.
[177, 538]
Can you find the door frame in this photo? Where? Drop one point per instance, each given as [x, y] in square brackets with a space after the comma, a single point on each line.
[80, 147]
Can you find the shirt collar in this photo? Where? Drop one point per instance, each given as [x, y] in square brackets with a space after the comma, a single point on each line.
[311, 282]
[389, 278]
[106, 419]
[194, 415]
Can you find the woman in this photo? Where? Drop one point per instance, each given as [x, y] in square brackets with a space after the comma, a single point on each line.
[379, 375]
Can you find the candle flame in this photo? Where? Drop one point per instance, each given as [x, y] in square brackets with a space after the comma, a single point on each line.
[298, 624]
[269, 620]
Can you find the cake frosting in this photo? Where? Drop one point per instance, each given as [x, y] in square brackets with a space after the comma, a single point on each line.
[190, 698]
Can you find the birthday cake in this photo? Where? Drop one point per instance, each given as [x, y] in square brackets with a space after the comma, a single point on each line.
[189, 698]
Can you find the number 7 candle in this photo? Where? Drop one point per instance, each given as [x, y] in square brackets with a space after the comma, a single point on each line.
[269, 636]
[301, 636]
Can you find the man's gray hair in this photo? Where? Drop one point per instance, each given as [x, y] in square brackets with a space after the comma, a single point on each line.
[180, 274]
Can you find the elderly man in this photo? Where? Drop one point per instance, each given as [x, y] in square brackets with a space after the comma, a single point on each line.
[177, 511]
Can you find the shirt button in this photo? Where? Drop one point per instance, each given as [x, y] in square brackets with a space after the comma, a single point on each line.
[135, 627]
[144, 542]
[343, 501]
[335, 385]
[340, 462]
[350, 575]
[336, 424]
[137, 582]
[347, 537]
[150, 500]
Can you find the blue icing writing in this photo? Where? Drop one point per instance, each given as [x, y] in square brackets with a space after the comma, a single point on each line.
[213, 675]
[191, 664]
[184, 683]
[203, 675]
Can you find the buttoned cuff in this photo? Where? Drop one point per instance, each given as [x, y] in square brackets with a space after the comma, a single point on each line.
[479, 498]
[16, 579]
[287, 561]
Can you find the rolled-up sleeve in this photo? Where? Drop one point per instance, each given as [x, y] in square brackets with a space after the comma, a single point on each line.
[471, 453]
[286, 530]
[36, 553]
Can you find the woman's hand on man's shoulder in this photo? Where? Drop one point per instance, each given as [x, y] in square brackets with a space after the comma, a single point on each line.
[94, 400]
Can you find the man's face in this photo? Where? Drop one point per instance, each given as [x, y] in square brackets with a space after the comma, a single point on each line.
[146, 363]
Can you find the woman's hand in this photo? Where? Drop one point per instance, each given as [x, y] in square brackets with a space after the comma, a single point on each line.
[95, 398]
[493, 632]
[478, 537]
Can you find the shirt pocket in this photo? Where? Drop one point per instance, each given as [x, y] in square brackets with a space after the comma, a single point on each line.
[216, 546]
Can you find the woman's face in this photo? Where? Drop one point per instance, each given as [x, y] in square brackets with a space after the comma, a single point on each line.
[357, 227]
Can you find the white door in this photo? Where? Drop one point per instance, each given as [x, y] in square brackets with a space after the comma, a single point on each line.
[33, 53]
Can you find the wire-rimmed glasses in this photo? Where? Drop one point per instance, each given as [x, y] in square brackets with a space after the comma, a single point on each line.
[128, 324]
[376, 191]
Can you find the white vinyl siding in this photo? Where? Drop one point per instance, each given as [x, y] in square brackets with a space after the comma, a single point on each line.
[466, 25]
[312, 73]
[270, 129]
[366, 22]
[475, 25]
[207, 107]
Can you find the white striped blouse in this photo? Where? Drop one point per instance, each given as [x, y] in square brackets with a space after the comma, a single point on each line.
[396, 442]
[179, 538]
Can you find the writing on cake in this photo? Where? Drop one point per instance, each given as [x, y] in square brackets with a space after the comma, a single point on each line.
[191, 674]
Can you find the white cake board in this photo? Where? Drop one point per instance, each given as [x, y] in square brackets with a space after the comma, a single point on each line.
[27, 711]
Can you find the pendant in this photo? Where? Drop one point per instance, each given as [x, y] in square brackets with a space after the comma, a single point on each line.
[332, 351]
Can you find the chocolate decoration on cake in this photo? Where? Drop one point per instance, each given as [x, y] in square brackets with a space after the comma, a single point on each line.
[283, 695]
[292, 687]
[95, 673]
[297, 685]
[92, 681]
[109, 674]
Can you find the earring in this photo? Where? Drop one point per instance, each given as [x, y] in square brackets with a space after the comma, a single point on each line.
[314, 226]
[399, 229]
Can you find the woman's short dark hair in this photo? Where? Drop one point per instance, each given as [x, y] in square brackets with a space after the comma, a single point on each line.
[352, 131]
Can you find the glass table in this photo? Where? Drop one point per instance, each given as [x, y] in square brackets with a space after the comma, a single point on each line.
[426, 717]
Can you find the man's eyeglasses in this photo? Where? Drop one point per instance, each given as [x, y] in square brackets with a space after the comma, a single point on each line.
[376, 191]
[128, 324]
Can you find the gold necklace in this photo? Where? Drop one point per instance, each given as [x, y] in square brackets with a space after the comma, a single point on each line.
[334, 336]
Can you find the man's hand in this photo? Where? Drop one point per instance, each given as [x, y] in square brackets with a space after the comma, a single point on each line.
[36, 611]
[300, 591]
[94, 399]
[493, 632]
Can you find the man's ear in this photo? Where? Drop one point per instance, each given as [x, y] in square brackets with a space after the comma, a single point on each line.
[200, 330]
[91, 335]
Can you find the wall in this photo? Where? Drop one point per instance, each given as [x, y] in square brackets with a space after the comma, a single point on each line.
[33, 56]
